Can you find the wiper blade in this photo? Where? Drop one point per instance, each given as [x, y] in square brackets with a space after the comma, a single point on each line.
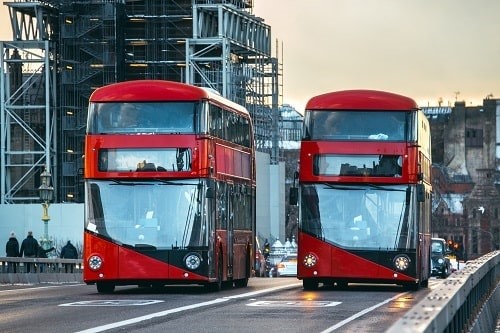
[168, 182]
[362, 188]
[127, 183]
[384, 188]
[342, 187]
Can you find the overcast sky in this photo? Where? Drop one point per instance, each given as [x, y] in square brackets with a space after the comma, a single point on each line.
[425, 49]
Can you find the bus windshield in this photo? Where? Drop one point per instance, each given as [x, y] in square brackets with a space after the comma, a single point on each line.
[160, 214]
[140, 117]
[360, 216]
[357, 125]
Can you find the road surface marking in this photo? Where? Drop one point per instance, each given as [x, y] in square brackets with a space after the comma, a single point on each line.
[298, 304]
[361, 313]
[180, 309]
[114, 302]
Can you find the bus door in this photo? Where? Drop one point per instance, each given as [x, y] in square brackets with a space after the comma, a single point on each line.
[230, 231]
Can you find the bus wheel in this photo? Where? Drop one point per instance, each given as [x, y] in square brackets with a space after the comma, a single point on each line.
[105, 288]
[217, 285]
[241, 283]
[411, 286]
[310, 284]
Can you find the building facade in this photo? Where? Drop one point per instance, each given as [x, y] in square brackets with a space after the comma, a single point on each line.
[466, 155]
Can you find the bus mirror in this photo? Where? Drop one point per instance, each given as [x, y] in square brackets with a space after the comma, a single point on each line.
[210, 193]
[294, 195]
[420, 193]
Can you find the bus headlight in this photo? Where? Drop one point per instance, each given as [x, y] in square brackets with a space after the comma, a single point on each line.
[402, 262]
[95, 262]
[309, 260]
[192, 261]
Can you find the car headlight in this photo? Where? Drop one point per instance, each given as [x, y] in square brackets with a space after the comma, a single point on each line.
[440, 260]
[95, 262]
[402, 262]
[192, 261]
[309, 260]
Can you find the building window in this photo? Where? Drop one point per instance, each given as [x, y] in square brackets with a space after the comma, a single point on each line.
[474, 137]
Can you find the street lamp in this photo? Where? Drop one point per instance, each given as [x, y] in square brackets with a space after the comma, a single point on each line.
[46, 193]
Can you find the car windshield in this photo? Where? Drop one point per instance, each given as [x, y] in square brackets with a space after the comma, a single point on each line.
[437, 247]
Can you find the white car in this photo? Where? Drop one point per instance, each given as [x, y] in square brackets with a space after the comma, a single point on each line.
[287, 266]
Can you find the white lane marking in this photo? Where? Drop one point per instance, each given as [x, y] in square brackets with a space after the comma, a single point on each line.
[115, 302]
[296, 304]
[361, 313]
[180, 309]
[263, 291]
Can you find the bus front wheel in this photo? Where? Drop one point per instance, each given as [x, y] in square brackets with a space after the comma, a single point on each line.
[104, 287]
[309, 284]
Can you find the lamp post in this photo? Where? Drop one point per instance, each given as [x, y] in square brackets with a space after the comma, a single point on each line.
[46, 191]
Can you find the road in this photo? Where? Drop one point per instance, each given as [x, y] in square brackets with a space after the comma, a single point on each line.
[266, 305]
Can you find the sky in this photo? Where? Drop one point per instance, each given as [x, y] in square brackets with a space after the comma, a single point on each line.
[425, 49]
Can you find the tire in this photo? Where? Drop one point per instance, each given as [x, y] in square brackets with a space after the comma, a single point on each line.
[411, 286]
[446, 272]
[309, 284]
[105, 287]
[217, 285]
[241, 283]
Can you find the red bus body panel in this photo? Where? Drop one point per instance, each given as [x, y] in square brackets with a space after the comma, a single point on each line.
[130, 265]
[365, 100]
[309, 149]
[342, 264]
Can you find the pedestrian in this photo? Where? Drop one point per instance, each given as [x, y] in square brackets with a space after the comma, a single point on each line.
[12, 250]
[29, 248]
[42, 253]
[267, 249]
[69, 252]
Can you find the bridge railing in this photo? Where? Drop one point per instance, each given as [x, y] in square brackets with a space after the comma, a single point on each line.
[467, 301]
[15, 270]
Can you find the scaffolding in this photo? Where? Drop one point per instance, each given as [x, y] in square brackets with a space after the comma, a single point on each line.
[230, 52]
[28, 105]
[91, 43]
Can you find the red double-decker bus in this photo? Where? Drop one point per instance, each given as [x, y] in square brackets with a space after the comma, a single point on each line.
[364, 191]
[169, 186]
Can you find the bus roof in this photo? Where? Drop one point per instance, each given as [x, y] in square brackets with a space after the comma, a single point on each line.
[159, 91]
[361, 100]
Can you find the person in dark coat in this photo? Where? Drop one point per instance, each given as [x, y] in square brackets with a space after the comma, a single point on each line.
[69, 252]
[42, 253]
[12, 250]
[29, 248]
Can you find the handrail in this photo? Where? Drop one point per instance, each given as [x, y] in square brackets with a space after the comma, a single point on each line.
[15, 270]
[466, 299]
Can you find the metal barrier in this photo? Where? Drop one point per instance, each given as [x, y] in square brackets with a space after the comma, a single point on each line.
[40, 270]
[467, 301]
